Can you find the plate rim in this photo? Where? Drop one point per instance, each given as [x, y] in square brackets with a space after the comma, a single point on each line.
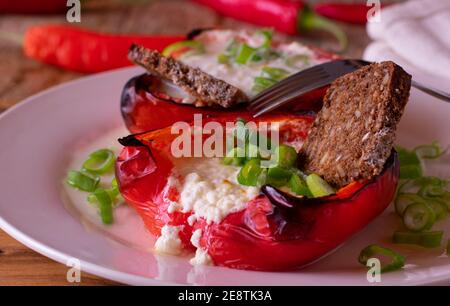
[95, 269]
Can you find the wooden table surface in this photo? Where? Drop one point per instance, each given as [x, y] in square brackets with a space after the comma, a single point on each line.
[22, 77]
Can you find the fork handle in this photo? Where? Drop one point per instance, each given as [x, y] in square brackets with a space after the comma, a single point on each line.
[432, 91]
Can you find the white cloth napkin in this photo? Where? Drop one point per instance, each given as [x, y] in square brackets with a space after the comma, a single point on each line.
[415, 33]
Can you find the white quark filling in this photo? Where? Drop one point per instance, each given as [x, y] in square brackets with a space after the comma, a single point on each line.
[169, 242]
[201, 256]
[242, 76]
[209, 189]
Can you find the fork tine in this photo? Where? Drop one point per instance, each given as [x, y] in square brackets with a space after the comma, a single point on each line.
[301, 83]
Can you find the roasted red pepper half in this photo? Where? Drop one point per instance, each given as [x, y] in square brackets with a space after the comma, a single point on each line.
[275, 231]
[146, 107]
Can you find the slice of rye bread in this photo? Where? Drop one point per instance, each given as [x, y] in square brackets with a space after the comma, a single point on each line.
[194, 81]
[353, 134]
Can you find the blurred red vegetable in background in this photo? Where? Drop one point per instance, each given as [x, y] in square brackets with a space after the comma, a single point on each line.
[291, 17]
[86, 51]
[32, 6]
[347, 12]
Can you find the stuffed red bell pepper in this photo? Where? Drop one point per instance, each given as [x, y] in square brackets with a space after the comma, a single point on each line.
[271, 193]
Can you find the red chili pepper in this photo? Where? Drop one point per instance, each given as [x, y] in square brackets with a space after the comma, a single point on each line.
[291, 17]
[267, 234]
[351, 13]
[32, 6]
[86, 51]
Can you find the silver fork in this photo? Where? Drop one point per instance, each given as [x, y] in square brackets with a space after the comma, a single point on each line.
[313, 78]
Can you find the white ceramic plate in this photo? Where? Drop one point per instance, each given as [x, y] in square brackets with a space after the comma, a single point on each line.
[39, 136]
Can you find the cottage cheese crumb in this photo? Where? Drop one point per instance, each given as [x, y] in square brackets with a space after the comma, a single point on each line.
[169, 242]
[201, 256]
[210, 189]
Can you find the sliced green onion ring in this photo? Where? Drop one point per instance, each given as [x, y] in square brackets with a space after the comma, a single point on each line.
[82, 180]
[293, 60]
[426, 239]
[397, 261]
[438, 206]
[446, 198]
[410, 171]
[431, 151]
[285, 156]
[267, 34]
[249, 173]
[100, 161]
[298, 186]
[418, 217]
[244, 53]
[278, 176]
[318, 186]
[403, 200]
[275, 73]
[410, 166]
[193, 44]
[105, 205]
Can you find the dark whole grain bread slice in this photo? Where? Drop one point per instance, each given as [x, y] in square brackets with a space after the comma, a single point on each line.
[353, 134]
[205, 87]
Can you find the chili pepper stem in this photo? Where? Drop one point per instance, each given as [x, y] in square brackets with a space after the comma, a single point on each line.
[308, 20]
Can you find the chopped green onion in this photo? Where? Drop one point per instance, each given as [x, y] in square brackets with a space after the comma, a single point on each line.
[285, 156]
[261, 83]
[427, 239]
[249, 173]
[403, 200]
[431, 151]
[113, 193]
[268, 34]
[438, 206]
[278, 176]
[410, 166]
[105, 205]
[410, 171]
[82, 180]
[298, 186]
[244, 54]
[100, 161]
[223, 59]
[274, 73]
[318, 186]
[114, 183]
[415, 185]
[432, 188]
[193, 44]
[235, 157]
[446, 198]
[397, 261]
[418, 217]
[293, 60]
